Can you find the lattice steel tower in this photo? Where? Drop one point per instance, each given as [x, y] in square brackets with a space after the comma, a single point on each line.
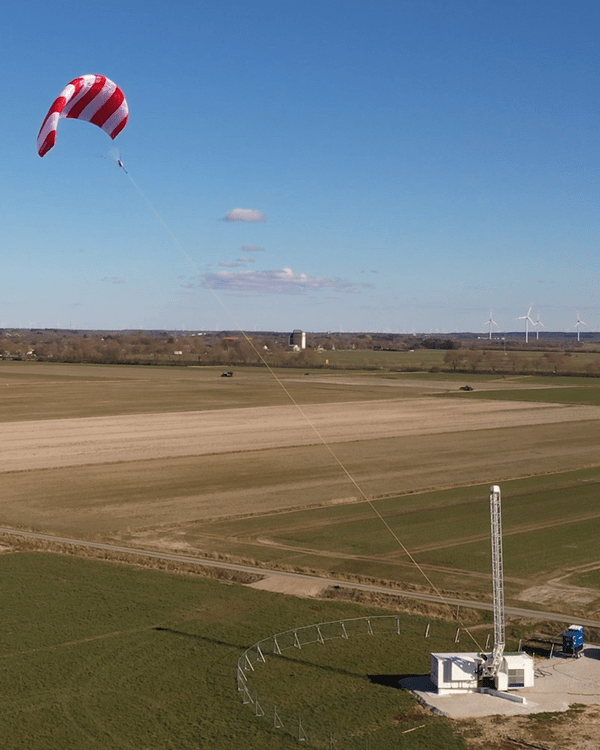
[490, 668]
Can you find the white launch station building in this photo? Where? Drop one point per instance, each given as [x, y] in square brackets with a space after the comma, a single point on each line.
[497, 672]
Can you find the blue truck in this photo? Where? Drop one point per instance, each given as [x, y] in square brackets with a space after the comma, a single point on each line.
[572, 639]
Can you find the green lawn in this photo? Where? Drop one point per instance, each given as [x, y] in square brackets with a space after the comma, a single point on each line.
[101, 655]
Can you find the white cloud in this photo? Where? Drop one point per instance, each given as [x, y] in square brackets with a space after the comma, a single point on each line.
[113, 280]
[276, 281]
[229, 265]
[244, 214]
[244, 259]
[252, 249]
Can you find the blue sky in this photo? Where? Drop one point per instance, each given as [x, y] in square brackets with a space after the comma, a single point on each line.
[413, 165]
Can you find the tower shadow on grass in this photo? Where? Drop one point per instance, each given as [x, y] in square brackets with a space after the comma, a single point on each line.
[403, 681]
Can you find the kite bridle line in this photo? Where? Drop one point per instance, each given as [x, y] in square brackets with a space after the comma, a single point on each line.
[304, 415]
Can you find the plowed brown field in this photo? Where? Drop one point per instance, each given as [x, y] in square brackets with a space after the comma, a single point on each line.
[105, 474]
[72, 442]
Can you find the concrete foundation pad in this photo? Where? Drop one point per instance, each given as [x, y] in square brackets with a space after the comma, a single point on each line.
[559, 682]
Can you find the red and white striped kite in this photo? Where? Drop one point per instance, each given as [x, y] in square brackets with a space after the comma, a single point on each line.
[93, 98]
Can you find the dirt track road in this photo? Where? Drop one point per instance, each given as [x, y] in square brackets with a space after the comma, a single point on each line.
[71, 442]
[303, 582]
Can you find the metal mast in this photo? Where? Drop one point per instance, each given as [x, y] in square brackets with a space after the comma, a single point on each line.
[490, 668]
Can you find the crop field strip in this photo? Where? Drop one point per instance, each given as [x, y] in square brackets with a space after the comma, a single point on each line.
[150, 478]
[583, 394]
[108, 497]
[32, 390]
[447, 532]
[37, 391]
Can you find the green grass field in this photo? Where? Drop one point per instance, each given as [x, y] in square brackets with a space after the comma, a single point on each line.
[425, 359]
[101, 655]
[583, 393]
[551, 526]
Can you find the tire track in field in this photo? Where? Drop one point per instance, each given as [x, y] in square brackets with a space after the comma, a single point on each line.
[523, 529]
[387, 561]
[392, 557]
[91, 639]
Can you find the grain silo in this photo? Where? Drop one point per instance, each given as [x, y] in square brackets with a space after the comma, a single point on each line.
[298, 339]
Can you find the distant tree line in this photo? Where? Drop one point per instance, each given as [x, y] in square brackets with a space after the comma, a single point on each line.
[464, 354]
[152, 348]
[553, 362]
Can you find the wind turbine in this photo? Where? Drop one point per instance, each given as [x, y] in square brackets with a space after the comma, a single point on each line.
[579, 323]
[491, 322]
[527, 319]
[537, 325]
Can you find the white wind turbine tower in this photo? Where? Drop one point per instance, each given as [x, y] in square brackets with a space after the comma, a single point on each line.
[491, 322]
[527, 319]
[537, 325]
[579, 323]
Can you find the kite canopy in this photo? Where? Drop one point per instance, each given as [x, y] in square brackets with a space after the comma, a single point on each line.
[93, 98]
